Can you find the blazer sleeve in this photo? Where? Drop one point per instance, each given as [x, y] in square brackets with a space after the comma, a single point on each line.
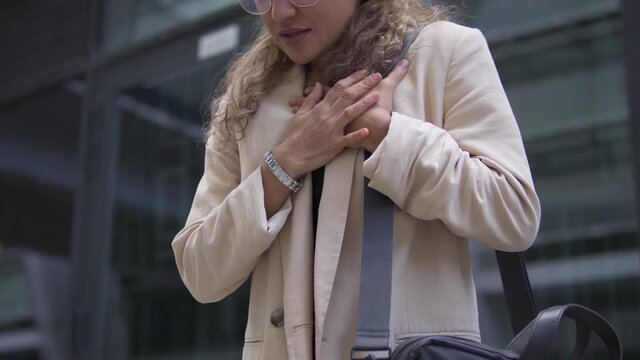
[227, 229]
[473, 173]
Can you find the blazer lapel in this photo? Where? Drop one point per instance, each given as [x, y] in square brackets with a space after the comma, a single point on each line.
[332, 218]
[308, 277]
[296, 251]
[296, 237]
[275, 117]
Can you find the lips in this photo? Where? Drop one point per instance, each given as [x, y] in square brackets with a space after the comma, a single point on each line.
[292, 32]
[293, 36]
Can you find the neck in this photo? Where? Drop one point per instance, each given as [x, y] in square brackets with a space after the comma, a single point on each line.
[312, 75]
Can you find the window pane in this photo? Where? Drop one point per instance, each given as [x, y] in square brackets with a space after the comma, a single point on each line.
[126, 22]
[38, 184]
[38, 168]
[502, 14]
[567, 89]
[160, 162]
[16, 310]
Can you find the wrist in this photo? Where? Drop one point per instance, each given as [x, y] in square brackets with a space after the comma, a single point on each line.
[282, 176]
[372, 142]
[288, 162]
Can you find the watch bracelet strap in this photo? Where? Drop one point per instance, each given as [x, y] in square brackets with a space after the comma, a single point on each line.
[280, 174]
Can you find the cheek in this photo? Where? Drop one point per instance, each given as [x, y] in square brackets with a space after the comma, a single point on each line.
[334, 29]
[332, 35]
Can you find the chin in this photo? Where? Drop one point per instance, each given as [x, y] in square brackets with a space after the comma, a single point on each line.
[300, 58]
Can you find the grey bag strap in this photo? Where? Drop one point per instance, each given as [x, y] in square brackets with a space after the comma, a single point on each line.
[372, 336]
[411, 37]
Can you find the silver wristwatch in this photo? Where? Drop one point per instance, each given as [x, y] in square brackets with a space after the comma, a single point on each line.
[280, 174]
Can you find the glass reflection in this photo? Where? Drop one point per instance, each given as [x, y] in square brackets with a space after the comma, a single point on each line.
[160, 159]
[126, 22]
[567, 89]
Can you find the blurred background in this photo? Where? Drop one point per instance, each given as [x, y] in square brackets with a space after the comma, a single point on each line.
[101, 108]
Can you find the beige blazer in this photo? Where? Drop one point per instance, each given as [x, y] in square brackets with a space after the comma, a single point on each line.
[453, 163]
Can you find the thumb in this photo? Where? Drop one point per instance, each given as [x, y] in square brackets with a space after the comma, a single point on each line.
[398, 72]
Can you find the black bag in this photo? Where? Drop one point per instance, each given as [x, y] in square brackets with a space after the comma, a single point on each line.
[449, 347]
[531, 343]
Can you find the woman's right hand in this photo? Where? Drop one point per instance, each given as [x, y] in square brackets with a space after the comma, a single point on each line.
[317, 132]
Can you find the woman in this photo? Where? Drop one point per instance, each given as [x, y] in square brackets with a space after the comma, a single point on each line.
[450, 156]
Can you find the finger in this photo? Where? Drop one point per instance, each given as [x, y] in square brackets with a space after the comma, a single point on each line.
[295, 109]
[296, 100]
[354, 111]
[356, 91]
[313, 98]
[343, 84]
[398, 73]
[307, 91]
[296, 103]
[353, 138]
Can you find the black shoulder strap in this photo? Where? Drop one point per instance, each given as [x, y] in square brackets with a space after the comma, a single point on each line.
[517, 289]
[534, 340]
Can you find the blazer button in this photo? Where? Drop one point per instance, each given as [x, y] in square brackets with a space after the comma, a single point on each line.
[277, 317]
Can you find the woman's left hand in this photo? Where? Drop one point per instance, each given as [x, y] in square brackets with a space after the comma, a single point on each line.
[378, 117]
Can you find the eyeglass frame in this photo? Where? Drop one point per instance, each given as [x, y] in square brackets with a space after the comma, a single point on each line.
[293, 2]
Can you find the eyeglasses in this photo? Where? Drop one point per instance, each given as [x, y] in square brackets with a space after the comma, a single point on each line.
[259, 7]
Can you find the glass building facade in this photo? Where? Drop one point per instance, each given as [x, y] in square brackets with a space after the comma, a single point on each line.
[99, 167]
[562, 65]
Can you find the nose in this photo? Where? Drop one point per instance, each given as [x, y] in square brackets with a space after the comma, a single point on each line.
[282, 10]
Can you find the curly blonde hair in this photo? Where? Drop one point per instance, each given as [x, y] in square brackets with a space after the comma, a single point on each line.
[372, 40]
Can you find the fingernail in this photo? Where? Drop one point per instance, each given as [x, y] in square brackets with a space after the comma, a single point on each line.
[403, 63]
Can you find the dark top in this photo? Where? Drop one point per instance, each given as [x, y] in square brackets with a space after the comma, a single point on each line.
[317, 179]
